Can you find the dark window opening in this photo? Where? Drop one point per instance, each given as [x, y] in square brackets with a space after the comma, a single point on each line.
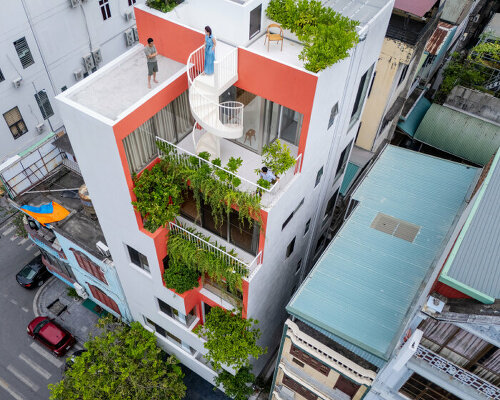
[343, 161]
[255, 17]
[404, 71]
[346, 386]
[290, 247]
[105, 10]
[333, 114]
[138, 259]
[308, 224]
[318, 176]
[360, 95]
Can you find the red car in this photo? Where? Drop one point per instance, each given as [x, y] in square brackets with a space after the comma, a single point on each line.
[51, 335]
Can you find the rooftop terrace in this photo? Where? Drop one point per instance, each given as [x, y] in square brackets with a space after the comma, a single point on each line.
[364, 284]
[78, 226]
[123, 82]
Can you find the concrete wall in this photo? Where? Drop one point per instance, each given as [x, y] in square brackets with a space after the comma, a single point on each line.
[58, 36]
[472, 101]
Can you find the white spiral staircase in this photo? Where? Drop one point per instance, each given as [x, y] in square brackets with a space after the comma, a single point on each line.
[214, 120]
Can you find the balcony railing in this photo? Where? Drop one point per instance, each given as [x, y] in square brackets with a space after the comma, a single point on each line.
[455, 372]
[238, 266]
[267, 196]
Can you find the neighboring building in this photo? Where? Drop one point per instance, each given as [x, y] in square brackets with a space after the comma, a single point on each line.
[74, 249]
[455, 339]
[113, 119]
[47, 46]
[410, 26]
[350, 315]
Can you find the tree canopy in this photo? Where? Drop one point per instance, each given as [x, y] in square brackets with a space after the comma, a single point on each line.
[124, 362]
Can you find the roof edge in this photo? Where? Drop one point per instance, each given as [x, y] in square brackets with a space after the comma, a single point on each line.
[444, 277]
[361, 345]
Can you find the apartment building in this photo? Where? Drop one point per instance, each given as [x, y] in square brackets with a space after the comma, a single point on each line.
[351, 319]
[73, 248]
[255, 96]
[46, 47]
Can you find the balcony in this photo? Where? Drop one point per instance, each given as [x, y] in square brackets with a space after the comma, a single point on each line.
[457, 374]
[245, 265]
[251, 161]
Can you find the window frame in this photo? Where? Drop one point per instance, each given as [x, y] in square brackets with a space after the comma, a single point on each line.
[258, 26]
[105, 10]
[141, 265]
[21, 45]
[319, 175]
[16, 124]
[43, 101]
[290, 248]
[361, 95]
[343, 159]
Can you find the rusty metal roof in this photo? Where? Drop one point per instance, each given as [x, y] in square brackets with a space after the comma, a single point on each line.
[438, 37]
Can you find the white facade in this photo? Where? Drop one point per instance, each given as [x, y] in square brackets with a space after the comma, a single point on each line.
[94, 140]
[58, 36]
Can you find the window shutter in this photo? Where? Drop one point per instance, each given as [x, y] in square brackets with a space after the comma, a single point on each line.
[44, 104]
[86, 264]
[24, 53]
[104, 298]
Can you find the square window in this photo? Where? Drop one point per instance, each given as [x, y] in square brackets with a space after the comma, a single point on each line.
[318, 176]
[15, 122]
[138, 259]
[333, 114]
[289, 249]
[299, 264]
[308, 224]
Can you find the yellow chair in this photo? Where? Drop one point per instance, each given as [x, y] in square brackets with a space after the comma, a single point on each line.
[274, 37]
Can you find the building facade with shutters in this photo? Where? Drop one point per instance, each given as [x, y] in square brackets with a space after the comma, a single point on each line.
[45, 48]
[356, 321]
[256, 96]
[74, 249]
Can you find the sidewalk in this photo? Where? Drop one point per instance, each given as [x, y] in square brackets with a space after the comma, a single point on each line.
[53, 301]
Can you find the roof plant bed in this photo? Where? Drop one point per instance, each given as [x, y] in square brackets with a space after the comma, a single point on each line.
[163, 5]
[160, 191]
[327, 35]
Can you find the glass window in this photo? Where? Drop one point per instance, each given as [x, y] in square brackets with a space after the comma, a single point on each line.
[290, 247]
[243, 236]
[404, 71]
[44, 104]
[343, 161]
[165, 308]
[105, 11]
[308, 224]
[24, 53]
[330, 206]
[318, 176]
[333, 114]
[138, 259]
[287, 221]
[255, 17]
[360, 95]
[15, 122]
[157, 328]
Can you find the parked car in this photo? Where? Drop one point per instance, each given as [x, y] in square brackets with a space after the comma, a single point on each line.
[71, 359]
[33, 274]
[55, 338]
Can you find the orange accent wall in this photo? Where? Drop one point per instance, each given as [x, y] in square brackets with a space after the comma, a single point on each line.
[171, 40]
[279, 83]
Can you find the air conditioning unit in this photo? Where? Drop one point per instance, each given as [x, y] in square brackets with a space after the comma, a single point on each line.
[103, 249]
[74, 3]
[17, 82]
[128, 15]
[40, 127]
[80, 291]
[78, 74]
[88, 62]
[136, 35]
[97, 56]
[129, 37]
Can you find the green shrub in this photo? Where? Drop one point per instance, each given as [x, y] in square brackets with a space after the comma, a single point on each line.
[162, 5]
[277, 157]
[327, 35]
[180, 277]
[236, 386]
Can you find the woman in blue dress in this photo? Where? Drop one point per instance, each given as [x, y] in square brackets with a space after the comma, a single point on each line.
[209, 51]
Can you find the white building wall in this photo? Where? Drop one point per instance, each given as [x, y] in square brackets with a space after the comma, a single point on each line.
[58, 36]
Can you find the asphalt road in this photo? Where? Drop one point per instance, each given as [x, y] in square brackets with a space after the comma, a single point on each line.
[26, 368]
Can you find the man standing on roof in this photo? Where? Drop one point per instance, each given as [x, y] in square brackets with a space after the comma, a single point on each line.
[151, 53]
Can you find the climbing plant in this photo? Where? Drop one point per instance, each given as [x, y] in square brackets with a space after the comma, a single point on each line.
[327, 35]
[230, 339]
[185, 255]
[159, 191]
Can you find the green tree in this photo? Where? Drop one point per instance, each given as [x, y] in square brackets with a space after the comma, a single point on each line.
[236, 386]
[230, 339]
[123, 362]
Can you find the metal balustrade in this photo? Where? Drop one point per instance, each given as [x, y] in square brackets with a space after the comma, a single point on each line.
[455, 372]
[238, 265]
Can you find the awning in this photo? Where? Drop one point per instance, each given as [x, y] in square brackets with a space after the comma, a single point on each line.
[411, 123]
[350, 173]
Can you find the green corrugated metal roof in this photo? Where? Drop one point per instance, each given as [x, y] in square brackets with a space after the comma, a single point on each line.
[350, 174]
[460, 134]
[413, 120]
[37, 144]
[364, 284]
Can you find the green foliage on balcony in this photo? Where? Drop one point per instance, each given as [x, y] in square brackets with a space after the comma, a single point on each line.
[327, 35]
[159, 192]
[188, 261]
[277, 157]
[230, 339]
[237, 386]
